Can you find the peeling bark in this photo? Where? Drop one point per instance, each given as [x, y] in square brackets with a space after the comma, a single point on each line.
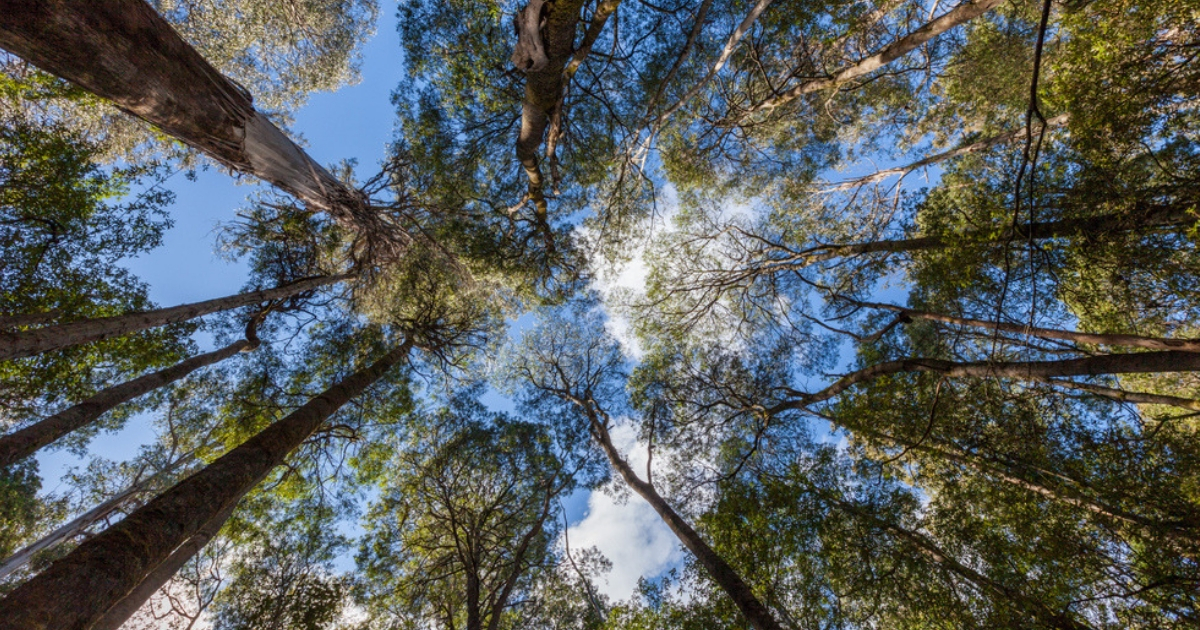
[123, 51]
[37, 341]
[76, 591]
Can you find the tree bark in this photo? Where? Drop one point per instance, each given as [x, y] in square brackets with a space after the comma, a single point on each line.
[1138, 363]
[755, 612]
[25, 442]
[543, 90]
[31, 342]
[1099, 339]
[124, 609]
[958, 15]
[1154, 217]
[122, 50]
[81, 523]
[75, 592]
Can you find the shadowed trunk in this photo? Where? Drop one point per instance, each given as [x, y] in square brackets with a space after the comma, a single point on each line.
[1139, 363]
[21, 444]
[76, 591]
[124, 609]
[757, 614]
[31, 342]
[122, 50]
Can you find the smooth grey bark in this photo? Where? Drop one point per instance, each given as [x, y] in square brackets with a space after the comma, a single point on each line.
[31, 342]
[123, 51]
[755, 612]
[78, 590]
[21, 444]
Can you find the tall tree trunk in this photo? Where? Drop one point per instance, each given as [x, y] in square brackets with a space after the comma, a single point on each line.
[80, 524]
[1099, 339]
[124, 609]
[122, 50]
[960, 14]
[31, 342]
[755, 612]
[544, 83]
[21, 444]
[1139, 363]
[75, 592]
[1099, 225]
[974, 147]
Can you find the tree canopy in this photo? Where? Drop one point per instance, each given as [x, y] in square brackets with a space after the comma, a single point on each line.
[887, 311]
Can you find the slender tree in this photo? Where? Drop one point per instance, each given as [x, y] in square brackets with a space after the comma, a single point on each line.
[45, 339]
[23, 443]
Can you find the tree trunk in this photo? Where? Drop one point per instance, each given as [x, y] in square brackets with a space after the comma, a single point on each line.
[122, 50]
[124, 609]
[81, 523]
[21, 444]
[961, 14]
[1139, 363]
[757, 614]
[1155, 217]
[974, 147]
[1099, 339]
[31, 342]
[75, 592]
[544, 82]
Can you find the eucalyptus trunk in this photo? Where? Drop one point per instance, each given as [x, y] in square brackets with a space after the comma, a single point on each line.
[755, 612]
[39, 340]
[21, 444]
[124, 609]
[122, 50]
[75, 592]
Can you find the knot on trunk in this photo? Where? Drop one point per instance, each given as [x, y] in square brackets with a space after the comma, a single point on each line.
[529, 55]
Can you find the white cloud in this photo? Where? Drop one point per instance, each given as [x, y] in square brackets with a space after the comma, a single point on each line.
[629, 533]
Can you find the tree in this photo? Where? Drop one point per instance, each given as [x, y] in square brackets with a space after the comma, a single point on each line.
[464, 535]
